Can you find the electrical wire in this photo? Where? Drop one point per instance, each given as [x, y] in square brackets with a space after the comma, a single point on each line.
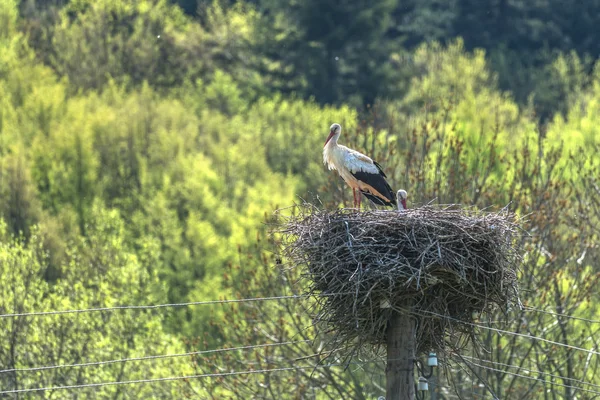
[170, 378]
[155, 357]
[150, 307]
[227, 301]
[592, 321]
[263, 371]
[256, 299]
[196, 376]
[514, 333]
[574, 380]
[534, 379]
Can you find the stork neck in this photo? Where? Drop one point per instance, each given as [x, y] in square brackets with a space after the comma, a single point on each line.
[329, 152]
[333, 142]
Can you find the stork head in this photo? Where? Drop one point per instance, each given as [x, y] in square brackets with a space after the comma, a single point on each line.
[334, 130]
[402, 196]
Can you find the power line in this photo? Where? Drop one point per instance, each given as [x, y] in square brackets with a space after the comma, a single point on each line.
[532, 378]
[257, 299]
[95, 363]
[174, 378]
[150, 307]
[574, 380]
[225, 301]
[263, 371]
[251, 372]
[514, 333]
[171, 378]
[593, 321]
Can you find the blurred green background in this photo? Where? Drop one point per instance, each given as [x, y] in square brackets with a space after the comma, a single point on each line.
[145, 145]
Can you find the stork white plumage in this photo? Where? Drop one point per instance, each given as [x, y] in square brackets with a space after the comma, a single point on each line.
[401, 196]
[360, 172]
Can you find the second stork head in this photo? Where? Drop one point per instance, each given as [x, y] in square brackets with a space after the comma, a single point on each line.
[401, 195]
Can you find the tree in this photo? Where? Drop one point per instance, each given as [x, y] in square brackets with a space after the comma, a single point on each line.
[101, 271]
[283, 337]
[19, 205]
[338, 50]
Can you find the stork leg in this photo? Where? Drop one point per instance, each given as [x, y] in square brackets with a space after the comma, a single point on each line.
[359, 197]
[354, 197]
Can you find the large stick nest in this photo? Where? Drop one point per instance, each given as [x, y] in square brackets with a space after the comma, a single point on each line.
[442, 265]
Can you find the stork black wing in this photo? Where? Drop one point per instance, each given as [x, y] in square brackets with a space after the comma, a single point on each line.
[375, 199]
[378, 183]
[380, 169]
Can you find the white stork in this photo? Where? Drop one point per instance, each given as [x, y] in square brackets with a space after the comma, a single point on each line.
[360, 172]
[401, 197]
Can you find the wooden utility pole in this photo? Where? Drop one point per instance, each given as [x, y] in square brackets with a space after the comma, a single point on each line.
[400, 357]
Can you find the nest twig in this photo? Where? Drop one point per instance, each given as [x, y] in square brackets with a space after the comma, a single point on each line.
[448, 262]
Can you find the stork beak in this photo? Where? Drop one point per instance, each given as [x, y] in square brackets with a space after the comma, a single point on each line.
[403, 201]
[329, 138]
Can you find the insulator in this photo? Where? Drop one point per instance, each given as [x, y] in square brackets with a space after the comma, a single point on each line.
[432, 360]
[423, 385]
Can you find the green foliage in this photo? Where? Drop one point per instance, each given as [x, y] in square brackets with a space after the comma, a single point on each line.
[338, 50]
[257, 272]
[8, 18]
[94, 43]
[101, 271]
[577, 128]
[272, 45]
[98, 40]
[138, 170]
[19, 206]
[523, 38]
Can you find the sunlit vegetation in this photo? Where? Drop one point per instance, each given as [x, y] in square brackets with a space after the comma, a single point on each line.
[144, 148]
